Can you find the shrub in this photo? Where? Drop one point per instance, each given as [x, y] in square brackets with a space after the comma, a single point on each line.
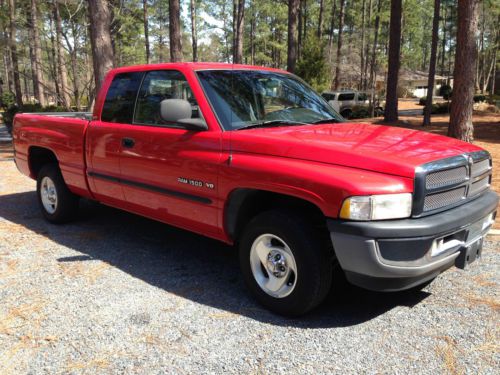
[445, 91]
[422, 100]
[479, 98]
[440, 108]
[7, 99]
[360, 111]
[11, 111]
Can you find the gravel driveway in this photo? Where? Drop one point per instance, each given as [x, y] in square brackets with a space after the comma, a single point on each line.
[117, 293]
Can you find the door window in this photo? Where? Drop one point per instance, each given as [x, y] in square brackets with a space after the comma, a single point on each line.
[158, 86]
[120, 99]
[347, 96]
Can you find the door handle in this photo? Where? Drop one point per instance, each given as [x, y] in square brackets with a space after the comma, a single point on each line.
[128, 142]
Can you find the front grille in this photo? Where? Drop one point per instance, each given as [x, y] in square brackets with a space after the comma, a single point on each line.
[478, 186]
[480, 167]
[449, 182]
[446, 198]
[447, 177]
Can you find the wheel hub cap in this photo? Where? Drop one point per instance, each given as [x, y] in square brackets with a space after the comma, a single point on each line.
[273, 265]
[48, 194]
[276, 263]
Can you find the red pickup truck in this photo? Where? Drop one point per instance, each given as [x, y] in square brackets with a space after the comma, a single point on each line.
[253, 156]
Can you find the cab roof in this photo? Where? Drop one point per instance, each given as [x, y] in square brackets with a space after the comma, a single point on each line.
[195, 66]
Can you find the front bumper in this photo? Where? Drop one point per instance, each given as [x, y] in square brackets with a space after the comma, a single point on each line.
[400, 254]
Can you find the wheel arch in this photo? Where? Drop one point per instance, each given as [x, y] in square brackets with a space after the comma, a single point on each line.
[38, 157]
[245, 203]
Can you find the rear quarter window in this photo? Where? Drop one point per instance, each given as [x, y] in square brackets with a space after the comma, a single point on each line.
[121, 96]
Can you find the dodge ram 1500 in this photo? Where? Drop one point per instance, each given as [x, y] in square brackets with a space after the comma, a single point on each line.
[254, 157]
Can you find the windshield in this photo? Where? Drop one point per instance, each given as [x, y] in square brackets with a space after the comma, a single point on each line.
[241, 98]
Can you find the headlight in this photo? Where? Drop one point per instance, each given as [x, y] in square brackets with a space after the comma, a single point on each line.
[377, 207]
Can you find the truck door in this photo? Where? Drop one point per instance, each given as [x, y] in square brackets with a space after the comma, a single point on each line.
[168, 172]
[104, 137]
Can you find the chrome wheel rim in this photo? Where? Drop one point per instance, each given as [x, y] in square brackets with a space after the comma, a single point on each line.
[273, 265]
[48, 194]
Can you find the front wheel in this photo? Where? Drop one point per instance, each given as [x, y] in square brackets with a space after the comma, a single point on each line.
[285, 262]
[346, 113]
[58, 204]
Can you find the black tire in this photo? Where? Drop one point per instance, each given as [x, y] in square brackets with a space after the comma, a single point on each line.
[313, 258]
[67, 202]
[346, 113]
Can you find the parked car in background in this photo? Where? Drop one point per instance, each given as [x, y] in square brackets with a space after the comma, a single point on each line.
[344, 101]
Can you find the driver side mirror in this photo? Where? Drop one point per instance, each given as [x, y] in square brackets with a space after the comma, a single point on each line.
[179, 111]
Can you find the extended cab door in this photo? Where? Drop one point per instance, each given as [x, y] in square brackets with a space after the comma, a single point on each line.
[104, 138]
[168, 172]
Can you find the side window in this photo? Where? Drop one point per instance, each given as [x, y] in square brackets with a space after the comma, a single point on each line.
[328, 97]
[120, 99]
[347, 96]
[158, 86]
[362, 97]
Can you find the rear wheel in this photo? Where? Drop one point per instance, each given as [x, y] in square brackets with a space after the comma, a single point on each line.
[57, 202]
[285, 263]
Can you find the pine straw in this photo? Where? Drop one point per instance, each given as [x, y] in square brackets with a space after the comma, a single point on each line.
[447, 352]
[21, 324]
[492, 303]
[90, 271]
[95, 365]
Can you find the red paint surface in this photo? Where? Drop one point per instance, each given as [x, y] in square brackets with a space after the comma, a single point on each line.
[322, 164]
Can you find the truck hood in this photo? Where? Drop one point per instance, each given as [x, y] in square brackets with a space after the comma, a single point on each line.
[384, 149]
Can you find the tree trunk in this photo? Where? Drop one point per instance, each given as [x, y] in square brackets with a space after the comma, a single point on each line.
[293, 10]
[494, 75]
[304, 24]
[61, 63]
[100, 38]
[194, 36]
[367, 48]
[239, 30]
[432, 63]
[332, 27]
[13, 52]
[300, 28]
[465, 64]
[320, 19]
[443, 42]
[362, 55]
[146, 30]
[36, 54]
[74, 66]
[53, 60]
[391, 106]
[339, 45]
[8, 71]
[175, 31]
[374, 59]
[252, 37]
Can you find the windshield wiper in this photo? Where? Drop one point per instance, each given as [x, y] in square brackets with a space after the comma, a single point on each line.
[271, 123]
[325, 121]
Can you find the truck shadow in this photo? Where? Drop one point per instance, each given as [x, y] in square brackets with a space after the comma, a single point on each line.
[190, 266]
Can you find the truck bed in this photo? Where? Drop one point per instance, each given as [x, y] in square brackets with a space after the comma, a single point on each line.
[61, 132]
[80, 115]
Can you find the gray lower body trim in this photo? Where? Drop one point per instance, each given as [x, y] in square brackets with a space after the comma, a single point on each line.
[409, 243]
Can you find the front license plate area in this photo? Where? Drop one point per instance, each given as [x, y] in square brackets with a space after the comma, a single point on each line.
[469, 254]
